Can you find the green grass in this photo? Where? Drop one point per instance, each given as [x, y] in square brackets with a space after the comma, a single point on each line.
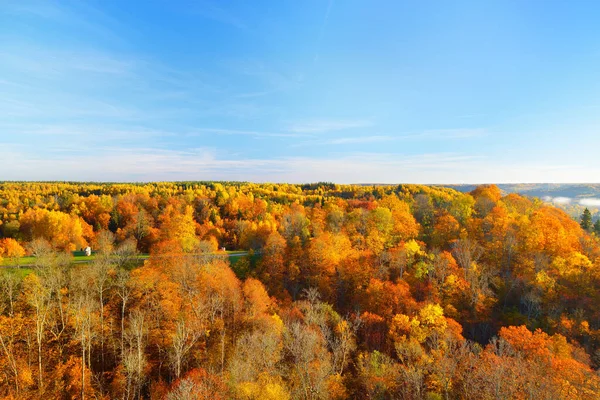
[20, 272]
[24, 266]
[84, 258]
[234, 256]
[9, 262]
[234, 259]
[29, 260]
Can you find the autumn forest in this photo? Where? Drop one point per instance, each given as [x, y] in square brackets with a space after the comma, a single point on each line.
[333, 292]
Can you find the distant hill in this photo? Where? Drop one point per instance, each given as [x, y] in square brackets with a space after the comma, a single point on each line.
[571, 197]
[574, 191]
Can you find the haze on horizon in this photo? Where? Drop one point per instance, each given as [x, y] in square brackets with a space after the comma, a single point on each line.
[287, 91]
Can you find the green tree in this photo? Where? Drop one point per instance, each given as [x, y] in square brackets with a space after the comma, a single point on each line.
[597, 227]
[586, 220]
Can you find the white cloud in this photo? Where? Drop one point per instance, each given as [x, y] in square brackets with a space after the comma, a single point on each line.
[591, 202]
[346, 140]
[118, 164]
[451, 133]
[319, 126]
[64, 162]
[361, 139]
[236, 132]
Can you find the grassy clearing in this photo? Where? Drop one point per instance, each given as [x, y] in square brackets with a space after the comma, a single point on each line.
[9, 262]
[20, 272]
[30, 260]
[243, 264]
[234, 256]
[84, 258]
[24, 266]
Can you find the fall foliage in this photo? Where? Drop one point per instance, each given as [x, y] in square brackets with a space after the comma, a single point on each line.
[339, 292]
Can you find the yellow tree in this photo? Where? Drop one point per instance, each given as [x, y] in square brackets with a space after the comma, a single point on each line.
[12, 250]
[180, 227]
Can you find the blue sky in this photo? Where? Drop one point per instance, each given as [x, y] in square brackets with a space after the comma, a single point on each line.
[299, 91]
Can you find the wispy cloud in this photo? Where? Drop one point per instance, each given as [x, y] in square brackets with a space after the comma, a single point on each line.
[557, 200]
[591, 202]
[461, 133]
[345, 140]
[360, 139]
[210, 10]
[141, 163]
[322, 29]
[319, 126]
[332, 126]
[268, 76]
[69, 83]
[233, 132]
[586, 202]
[80, 15]
[45, 62]
[254, 94]
[84, 136]
[117, 163]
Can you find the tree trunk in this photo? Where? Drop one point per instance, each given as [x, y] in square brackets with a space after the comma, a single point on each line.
[82, 366]
[41, 381]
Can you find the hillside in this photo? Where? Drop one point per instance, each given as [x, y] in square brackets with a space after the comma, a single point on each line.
[572, 191]
[573, 198]
[343, 292]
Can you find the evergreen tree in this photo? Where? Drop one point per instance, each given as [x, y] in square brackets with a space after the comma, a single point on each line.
[597, 227]
[586, 220]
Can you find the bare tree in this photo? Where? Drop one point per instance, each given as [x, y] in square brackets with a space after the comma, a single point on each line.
[123, 290]
[440, 269]
[38, 297]
[125, 254]
[10, 286]
[83, 310]
[186, 390]
[134, 359]
[9, 290]
[184, 339]
[54, 273]
[256, 353]
[466, 252]
[40, 249]
[100, 275]
[105, 241]
[311, 361]
[342, 344]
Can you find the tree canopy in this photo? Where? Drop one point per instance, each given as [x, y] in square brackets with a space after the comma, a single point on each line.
[340, 292]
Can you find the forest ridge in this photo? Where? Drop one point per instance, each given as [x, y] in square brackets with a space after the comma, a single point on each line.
[343, 292]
